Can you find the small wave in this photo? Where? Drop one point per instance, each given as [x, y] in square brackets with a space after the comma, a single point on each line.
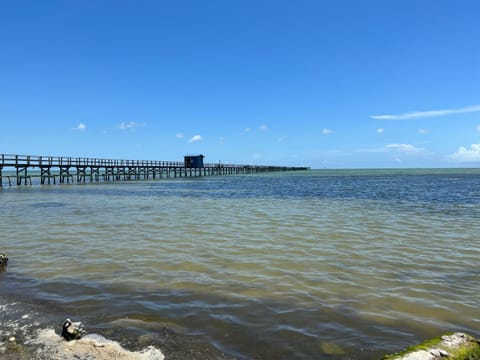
[48, 204]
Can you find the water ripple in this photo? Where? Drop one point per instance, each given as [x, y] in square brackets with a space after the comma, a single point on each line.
[264, 267]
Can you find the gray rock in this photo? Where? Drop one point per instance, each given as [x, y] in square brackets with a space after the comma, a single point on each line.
[72, 330]
[3, 260]
[438, 353]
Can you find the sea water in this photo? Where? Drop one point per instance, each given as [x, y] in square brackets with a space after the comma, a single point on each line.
[324, 264]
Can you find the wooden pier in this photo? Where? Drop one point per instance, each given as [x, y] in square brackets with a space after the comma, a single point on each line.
[61, 170]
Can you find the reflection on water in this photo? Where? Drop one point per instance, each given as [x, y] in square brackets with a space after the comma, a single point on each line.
[346, 265]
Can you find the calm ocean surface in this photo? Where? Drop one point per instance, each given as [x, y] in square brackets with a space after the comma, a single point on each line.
[347, 264]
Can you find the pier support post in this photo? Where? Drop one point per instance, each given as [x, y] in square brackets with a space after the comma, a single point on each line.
[65, 174]
[132, 173]
[121, 171]
[23, 175]
[109, 173]
[94, 174]
[82, 174]
[45, 174]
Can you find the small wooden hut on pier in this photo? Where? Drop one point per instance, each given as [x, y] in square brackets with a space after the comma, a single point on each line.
[194, 161]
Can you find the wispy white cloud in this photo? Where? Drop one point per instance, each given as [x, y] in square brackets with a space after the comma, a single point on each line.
[478, 128]
[405, 148]
[371, 150]
[222, 140]
[380, 130]
[466, 155]
[130, 125]
[423, 131]
[263, 128]
[180, 136]
[195, 138]
[80, 127]
[327, 131]
[425, 114]
[282, 138]
[246, 130]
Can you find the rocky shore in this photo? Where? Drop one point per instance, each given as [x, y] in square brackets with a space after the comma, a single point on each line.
[457, 346]
[22, 338]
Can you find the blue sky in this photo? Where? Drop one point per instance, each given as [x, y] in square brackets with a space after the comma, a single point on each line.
[328, 84]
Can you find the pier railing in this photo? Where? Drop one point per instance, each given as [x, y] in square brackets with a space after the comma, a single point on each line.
[8, 160]
[95, 169]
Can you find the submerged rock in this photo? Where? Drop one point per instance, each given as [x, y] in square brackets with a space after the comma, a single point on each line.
[457, 346]
[72, 330]
[3, 260]
[13, 348]
[330, 348]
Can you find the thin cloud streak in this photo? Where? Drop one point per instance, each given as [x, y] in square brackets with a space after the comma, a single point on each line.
[130, 125]
[80, 127]
[405, 148]
[428, 113]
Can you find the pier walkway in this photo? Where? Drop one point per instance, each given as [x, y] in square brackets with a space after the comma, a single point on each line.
[57, 169]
